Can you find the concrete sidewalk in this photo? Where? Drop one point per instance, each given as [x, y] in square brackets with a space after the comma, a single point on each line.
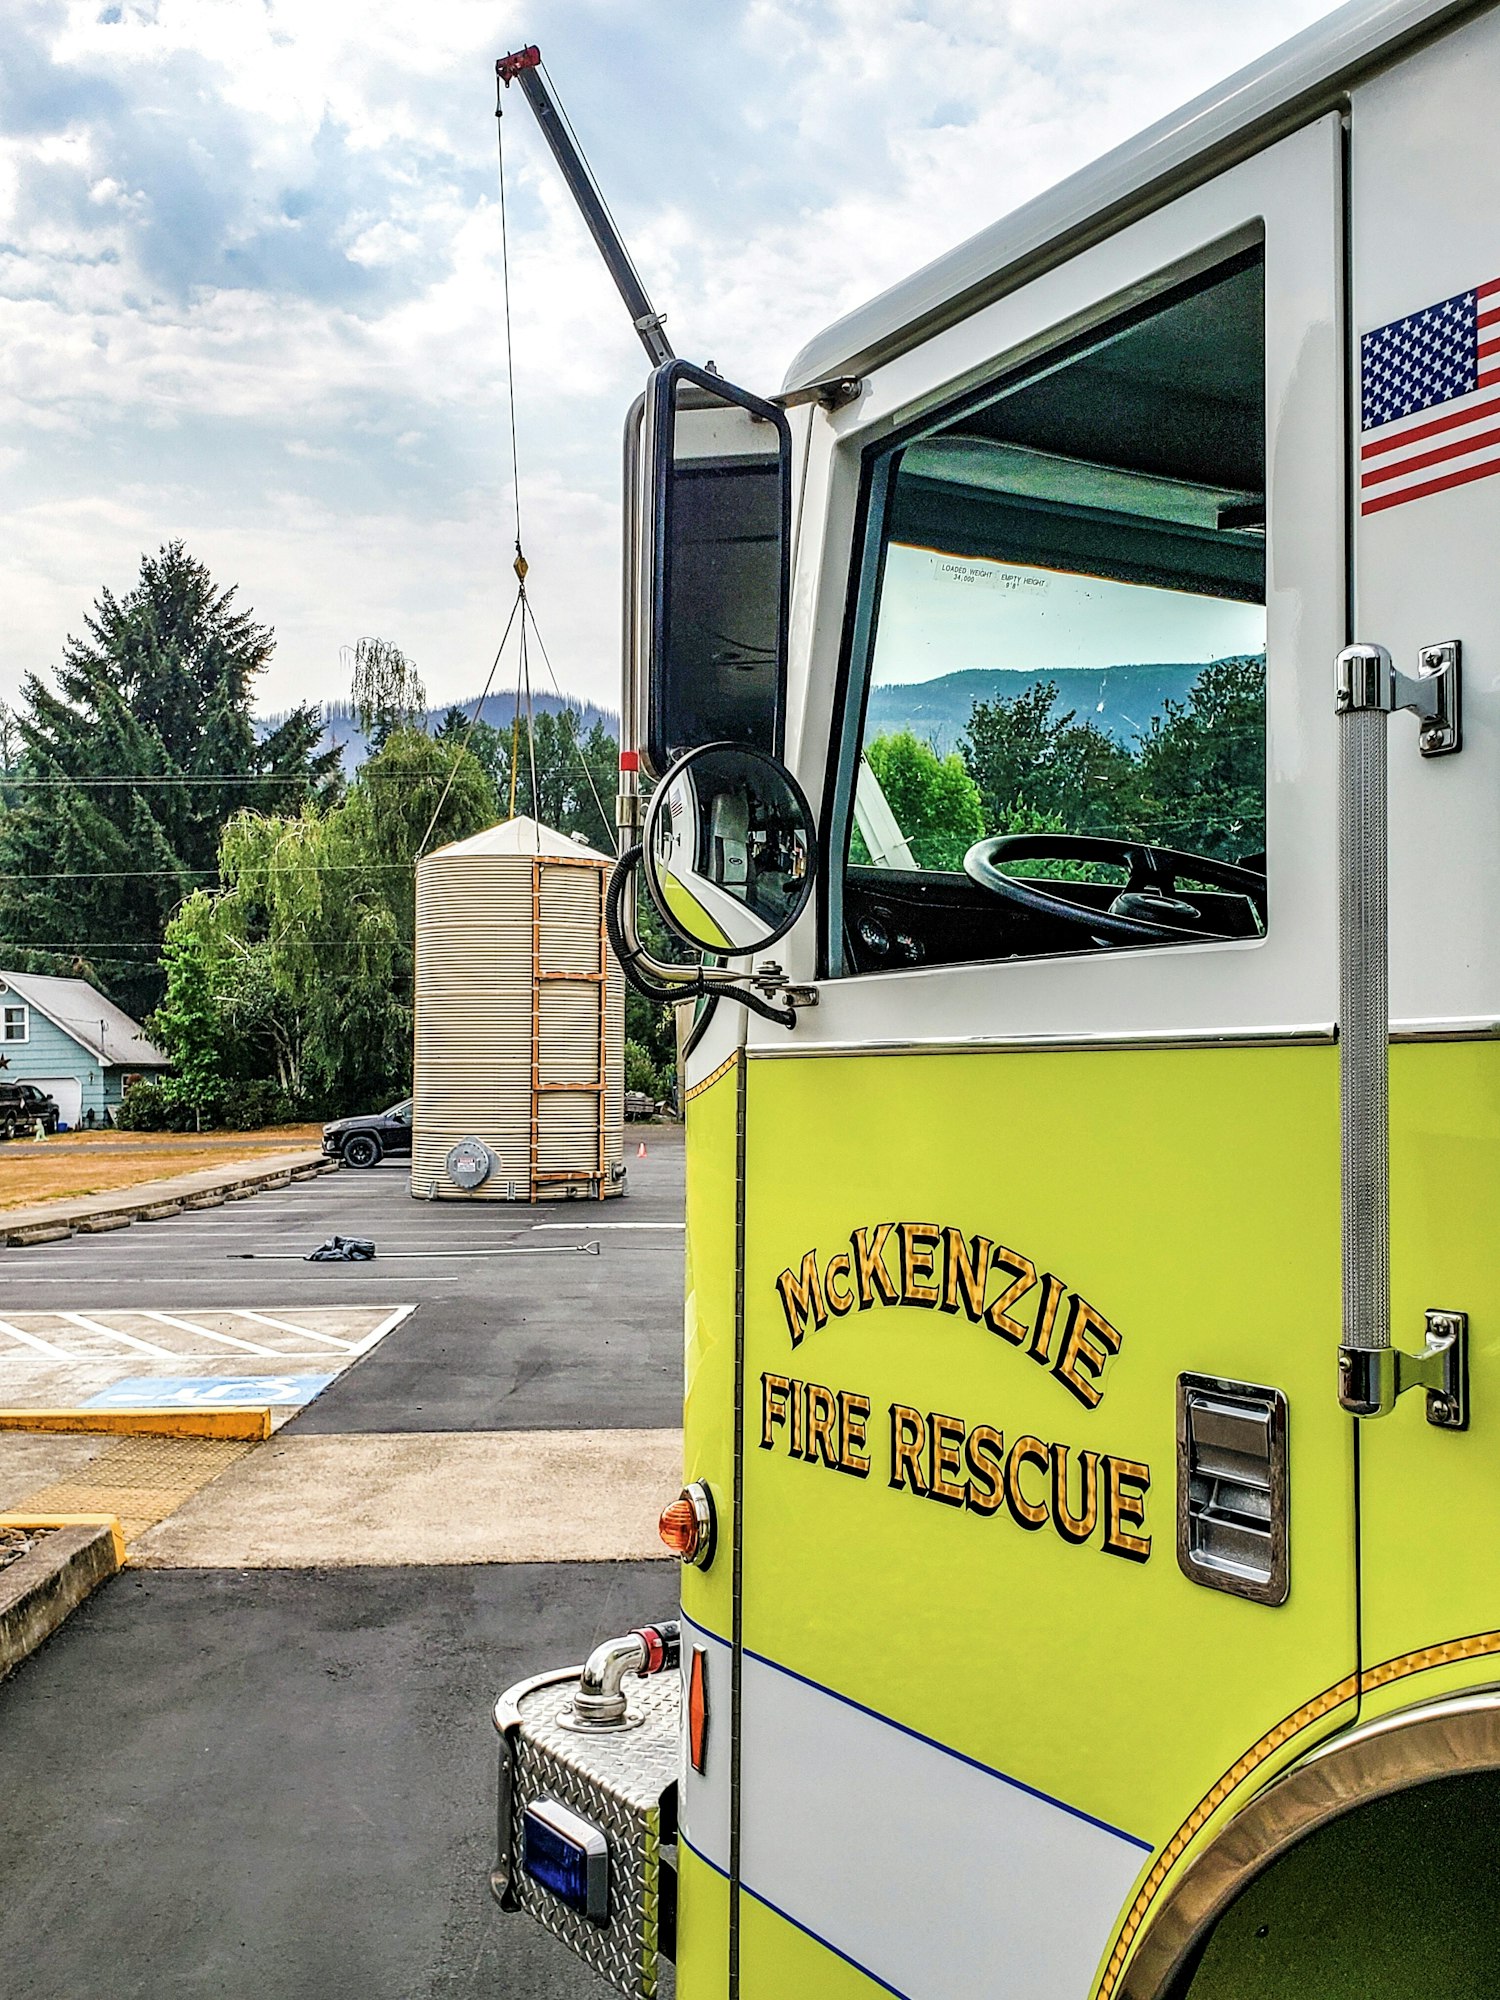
[359, 1499]
[152, 1201]
[427, 1498]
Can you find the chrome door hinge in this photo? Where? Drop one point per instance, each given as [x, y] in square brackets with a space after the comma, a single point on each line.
[1372, 1378]
[1366, 678]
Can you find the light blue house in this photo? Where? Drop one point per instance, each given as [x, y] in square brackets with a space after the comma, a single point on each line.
[64, 1036]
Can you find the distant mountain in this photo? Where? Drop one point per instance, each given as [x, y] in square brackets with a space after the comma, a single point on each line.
[1119, 700]
[341, 729]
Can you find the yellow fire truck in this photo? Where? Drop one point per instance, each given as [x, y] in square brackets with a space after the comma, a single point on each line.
[1073, 712]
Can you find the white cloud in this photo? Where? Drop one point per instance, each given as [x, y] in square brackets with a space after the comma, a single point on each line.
[251, 287]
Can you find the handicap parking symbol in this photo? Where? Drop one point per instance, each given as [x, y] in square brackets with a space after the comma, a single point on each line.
[211, 1392]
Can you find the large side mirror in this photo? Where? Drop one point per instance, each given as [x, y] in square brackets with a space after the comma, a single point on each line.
[719, 534]
[730, 850]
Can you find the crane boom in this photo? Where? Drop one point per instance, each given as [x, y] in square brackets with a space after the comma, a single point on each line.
[523, 66]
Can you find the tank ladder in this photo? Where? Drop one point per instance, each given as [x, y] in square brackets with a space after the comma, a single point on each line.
[595, 1178]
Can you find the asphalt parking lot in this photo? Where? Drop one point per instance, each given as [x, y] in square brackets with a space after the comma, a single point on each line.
[563, 1316]
[278, 1781]
[281, 1785]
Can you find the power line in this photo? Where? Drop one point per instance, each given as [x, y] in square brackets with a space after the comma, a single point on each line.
[96, 946]
[254, 868]
[162, 778]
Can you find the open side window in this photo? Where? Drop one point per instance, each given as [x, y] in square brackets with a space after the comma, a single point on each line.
[1063, 737]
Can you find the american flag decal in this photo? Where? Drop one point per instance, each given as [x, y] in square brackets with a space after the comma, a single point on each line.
[1446, 356]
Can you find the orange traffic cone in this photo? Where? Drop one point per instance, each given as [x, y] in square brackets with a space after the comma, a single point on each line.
[640, 1151]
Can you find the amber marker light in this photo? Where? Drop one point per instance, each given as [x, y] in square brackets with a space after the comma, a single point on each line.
[687, 1525]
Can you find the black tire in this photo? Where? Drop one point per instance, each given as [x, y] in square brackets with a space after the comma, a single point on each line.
[362, 1149]
[7, 1128]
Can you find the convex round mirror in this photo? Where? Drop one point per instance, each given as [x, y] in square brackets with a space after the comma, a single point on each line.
[730, 851]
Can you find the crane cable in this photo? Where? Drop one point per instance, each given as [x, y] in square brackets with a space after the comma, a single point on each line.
[522, 605]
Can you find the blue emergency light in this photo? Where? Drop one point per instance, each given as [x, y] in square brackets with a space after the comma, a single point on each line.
[568, 1855]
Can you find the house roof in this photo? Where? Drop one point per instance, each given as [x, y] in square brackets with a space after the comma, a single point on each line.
[1304, 77]
[105, 1031]
[518, 836]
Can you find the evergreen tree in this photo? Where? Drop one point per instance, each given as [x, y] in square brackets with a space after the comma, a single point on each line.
[130, 769]
[571, 768]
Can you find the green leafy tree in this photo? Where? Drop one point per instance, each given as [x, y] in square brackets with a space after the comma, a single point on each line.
[572, 766]
[187, 1024]
[936, 803]
[414, 795]
[644, 1070]
[388, 692]
[129, 770]
[309, 943]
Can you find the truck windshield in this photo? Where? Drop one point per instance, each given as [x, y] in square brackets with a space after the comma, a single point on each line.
[1069, 645]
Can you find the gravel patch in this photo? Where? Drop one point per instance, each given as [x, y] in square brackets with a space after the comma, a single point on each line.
[18, 1542]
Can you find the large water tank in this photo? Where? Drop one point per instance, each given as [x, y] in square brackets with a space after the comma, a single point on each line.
[520, 1021]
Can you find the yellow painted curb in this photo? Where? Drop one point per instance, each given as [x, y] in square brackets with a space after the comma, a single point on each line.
[110, 1521]
[201, 1423]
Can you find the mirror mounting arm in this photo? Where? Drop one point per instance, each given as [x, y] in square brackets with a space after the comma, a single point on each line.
[667, 984]
[832, 393]
[770, 979]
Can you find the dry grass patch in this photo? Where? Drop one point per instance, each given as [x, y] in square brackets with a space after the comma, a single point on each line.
[77, 1163]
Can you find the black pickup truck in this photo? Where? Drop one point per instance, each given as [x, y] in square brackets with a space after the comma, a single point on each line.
[21, 1104]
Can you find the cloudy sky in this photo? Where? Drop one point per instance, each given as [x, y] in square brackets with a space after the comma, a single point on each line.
[250, 274]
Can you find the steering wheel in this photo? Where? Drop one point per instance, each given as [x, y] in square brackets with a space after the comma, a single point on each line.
[1148, 910]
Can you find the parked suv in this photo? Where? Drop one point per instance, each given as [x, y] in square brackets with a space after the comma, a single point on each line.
[21, 1104]
[366, 1139]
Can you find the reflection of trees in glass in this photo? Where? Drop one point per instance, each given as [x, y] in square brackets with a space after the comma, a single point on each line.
[1196, 780]
[1020, 754]
[1202, 764]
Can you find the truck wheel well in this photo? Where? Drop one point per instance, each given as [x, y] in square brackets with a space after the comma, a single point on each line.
[1391, 1900]
[1342, 1844]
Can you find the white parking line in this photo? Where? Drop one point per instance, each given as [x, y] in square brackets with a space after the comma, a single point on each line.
[285, 1326]
[114, 1333]
[410, 1256]
[387, 1325]
[207, 1333]
[88, 1345]
[218, 1279]
[34, 1340]
[679, 1226]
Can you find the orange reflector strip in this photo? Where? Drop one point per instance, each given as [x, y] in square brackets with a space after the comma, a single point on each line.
[698, 1709]
[678, 1528]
